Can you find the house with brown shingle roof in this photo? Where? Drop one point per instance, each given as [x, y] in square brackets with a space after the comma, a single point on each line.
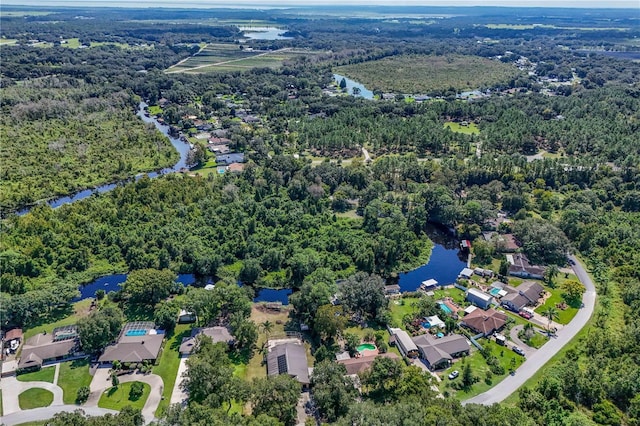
[363, 363]
[138, 341]
[62, 343]
[438, 353]
[485, 322]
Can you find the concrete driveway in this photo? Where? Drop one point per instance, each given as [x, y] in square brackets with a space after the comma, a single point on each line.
[513, 334]
[155, 396]
[178, 396]
[12, 387]
[539, 358]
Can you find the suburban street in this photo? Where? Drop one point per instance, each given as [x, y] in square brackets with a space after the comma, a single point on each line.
[538, 359]
[45, 413]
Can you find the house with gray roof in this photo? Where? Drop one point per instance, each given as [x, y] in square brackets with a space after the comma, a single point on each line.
[138, 341]
[217, 335]
[363, 363]
[438, 353]
[289, 357]
[403, 341]
[62, 343]
[521, 267]
[526, 294]
[479, 298]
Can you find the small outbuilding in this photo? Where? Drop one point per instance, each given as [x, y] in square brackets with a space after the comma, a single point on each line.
[186, 317]
[479, 298]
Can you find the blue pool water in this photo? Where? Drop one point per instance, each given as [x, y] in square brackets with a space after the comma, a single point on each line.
[494, 291]
[445, 308]
[136, 333]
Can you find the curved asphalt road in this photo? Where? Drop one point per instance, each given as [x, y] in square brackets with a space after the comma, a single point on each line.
[46, 413]
[538, 359]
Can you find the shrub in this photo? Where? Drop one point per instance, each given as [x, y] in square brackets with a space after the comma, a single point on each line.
[136, 391]
[82, 395]
[100, 294]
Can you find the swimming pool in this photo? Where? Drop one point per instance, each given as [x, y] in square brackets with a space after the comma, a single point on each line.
[445, 308]
[135, 333]
[366, 347]
[494, 291]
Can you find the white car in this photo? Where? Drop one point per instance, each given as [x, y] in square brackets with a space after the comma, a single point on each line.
[454, 374]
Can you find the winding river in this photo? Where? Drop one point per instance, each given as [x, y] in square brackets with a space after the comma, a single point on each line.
[182, 148]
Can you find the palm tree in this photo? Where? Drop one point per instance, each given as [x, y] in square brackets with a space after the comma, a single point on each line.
[551, 313]
[267, 327]
[550, 275]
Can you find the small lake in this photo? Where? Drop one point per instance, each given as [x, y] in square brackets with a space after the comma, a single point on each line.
[444, 265]
[180, 146]
[364, 92]
[264, 33]
[112, 283]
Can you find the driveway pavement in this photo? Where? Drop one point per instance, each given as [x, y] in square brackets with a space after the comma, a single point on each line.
[178, 396]
[538, 359]
[513, 334]
[12, 387]
[45, 413]
[157, 386]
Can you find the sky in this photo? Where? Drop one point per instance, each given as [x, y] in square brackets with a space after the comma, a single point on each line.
[632, 4]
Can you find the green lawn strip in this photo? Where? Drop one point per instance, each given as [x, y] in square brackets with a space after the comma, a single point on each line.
[73, 375]
[35, 398]
[43, 375]
[168, 364]
[479, 368]
[36, 423]
[154, 110]
[537, 340]
[1, 407]
[70, 316]
[401, 307]
[116, 398]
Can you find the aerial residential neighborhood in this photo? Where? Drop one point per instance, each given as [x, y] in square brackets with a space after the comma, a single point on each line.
[319, 214]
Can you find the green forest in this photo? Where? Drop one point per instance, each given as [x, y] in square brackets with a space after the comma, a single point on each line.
[333, 189]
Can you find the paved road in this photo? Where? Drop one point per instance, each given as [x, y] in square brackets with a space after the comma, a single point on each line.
[533, 363]
[40, 414]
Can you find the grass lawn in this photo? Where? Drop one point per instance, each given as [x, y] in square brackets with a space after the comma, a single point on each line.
[154, 109]
[73, 375]
[35, 398]
[60, 318]
[456, 294]
[479, 368]
[564, 316]
[471, 129]
[116, 398]
[1, 408]
[43, 375]
[168, 364]
[401, 307]
[537, 340]
[72, 43]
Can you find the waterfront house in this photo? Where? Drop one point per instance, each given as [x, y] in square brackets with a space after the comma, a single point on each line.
[479, 298]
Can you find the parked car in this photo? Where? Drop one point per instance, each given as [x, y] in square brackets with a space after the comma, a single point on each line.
[454, 374]
[518, 350]
[525, 314]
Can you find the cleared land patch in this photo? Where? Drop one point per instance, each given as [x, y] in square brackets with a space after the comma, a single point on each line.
[469, 129]
[229, 57]
[428, 73]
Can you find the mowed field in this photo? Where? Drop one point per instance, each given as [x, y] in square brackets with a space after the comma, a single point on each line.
[425, 74]
[229, 57]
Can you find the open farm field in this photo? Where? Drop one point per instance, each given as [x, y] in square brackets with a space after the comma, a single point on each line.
[229, 57]
[428, 73]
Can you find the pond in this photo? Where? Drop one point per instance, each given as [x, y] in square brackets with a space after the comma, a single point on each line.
[364, 92]
[264, 33]
[180, 146]
[112, 283]
[444, 265]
